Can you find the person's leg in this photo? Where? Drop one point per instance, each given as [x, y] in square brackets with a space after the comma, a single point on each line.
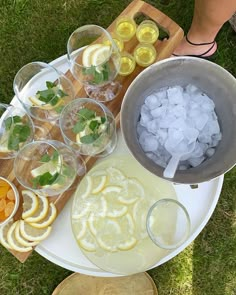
[209, 17]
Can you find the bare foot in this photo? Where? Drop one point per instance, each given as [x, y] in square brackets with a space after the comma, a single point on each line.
[185, 48]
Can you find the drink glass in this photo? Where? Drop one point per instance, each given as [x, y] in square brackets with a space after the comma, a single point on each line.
[125, 28]
[147, 32]
[145, 54]
[88, 127]
[94, 61]
[168, 233]
[16, 130]
[128, 64]
[47, 167]
[42, 90]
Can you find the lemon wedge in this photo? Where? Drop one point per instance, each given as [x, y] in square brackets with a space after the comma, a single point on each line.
[133, 191]
[48, 219]
[41, 212]
[86, 59]
[3, 234]
[88, 187]
[30, 203]
[128, 244]
[51, 167]
[88, 242]
[13, 242]
[80, 227]
[99, 183]
[46, 106]
[100, 55]
[33, 234]
[21, 241]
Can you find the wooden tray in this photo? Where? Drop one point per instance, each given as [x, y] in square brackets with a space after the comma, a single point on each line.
[138, 284]
[164, 49]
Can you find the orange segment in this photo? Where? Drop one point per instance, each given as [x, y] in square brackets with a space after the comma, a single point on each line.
[4, 183]
[3, 191]
[2, 216]
[9, 208]
[3, 204]
[11, 195]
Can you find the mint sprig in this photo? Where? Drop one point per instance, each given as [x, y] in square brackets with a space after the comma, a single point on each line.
[45, 179]
[97, 77]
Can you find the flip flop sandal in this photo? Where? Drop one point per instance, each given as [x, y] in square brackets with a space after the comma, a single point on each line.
[199, 44]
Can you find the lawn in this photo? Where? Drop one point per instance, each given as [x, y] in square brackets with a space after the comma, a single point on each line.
[34, 30]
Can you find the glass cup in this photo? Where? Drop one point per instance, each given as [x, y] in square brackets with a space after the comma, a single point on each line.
[168, 233]
[145, 54]
[147, 32]
[94, 63]
[47, 167]
[16, 130]
[128, 64]
[88, 127]
[42, 90]
[125, 28]
[118, 41]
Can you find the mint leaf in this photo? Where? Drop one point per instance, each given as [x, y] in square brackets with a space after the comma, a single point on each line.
[61, 93]
[59, 109]
[103, 120]
[87, 139]
[79, 126]
[94, 125]
[46, 95]
[8, 123]
[22, 132]
[54, 100]
[13, 142]
[50, 84]
[17, 119]
[47, 178]
[55, 156]
[98, 77]
[67, 171]
[45, 158]
[86, 114]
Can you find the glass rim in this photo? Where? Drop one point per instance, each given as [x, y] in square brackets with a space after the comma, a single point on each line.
[152, 236]
[28, 145]
[69, 52]
[89, 100]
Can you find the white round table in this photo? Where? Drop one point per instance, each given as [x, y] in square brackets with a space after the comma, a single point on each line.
[61, 248]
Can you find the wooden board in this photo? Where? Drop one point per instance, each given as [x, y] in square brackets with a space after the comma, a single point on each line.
[164, 50]
[138, 284]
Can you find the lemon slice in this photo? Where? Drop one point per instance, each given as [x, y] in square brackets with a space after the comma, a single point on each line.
[3, 234]
[116, 210]
[99, 183]
[111, 189]
[13, 242]
[133, 192]
[86, 59]
[140, 211]
[30, 203]
[128, 244]
[82, 210]
[115, 175]
[21, 241]
[88, 242]
[80, 227]
[41, 212]
[33, 234]
[48, 219]
[127, 224]
[4, 142]
[46, 106]
[51, 167]
[100, 55]
[88, 187]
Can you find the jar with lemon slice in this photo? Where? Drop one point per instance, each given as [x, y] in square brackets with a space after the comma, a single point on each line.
[47, 167]
[95, 61]
[109, 214]
[42, 90]
[16, 130]
[88, 127]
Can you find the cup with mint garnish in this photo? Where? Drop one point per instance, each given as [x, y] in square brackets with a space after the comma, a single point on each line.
[88, 127]
[43, 90]
[47, 167]
[16, 130]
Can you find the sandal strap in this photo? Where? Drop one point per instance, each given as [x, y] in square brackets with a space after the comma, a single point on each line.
[198, 44]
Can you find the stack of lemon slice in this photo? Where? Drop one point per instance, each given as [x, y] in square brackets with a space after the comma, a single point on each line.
[35, 225]
[95, 54]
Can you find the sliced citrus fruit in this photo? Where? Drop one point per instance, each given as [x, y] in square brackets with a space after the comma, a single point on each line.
[51, 167]
[30, 203]
[128, 244]
[100, 55]
[20, 239]
[127, 224]
[116, 210]
[115, 175]
[9, 208]
[86, 186]
[81, 210]
[3, 234]
[86, 59]
[99, 183]
[79, 227]
[33, 234]
[11, 195]
[46, 106]
[88, 242]
[41, 211]
[140, 210]
[133, 191]
[111, 189]
[48, 219]
[4, 142]
[13, 242]
[3, 204]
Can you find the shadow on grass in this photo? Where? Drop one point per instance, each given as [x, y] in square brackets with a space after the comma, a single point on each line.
[214, 251]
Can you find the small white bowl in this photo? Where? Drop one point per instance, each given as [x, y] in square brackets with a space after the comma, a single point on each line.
[17, 201]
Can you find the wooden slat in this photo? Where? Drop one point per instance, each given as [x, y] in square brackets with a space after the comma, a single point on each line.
[164, 50]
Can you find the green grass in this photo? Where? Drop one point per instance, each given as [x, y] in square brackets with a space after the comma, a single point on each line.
[38, 30]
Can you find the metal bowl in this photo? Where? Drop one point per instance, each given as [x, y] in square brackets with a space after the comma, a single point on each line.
[212, 79]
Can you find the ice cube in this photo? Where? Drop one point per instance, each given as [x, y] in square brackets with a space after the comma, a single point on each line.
[214, 127]
[148, 142]
[191, 134]
[159, 112]
[198, 151]
[166, 121]
[145, 116]
[178, 124]
[174, 137]
[210, 152]
[178, 111]
[191, 89]
[162, 135]
[175, 95]
[194, 162]
[140, 129]
[153, 126]
[152, 101]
